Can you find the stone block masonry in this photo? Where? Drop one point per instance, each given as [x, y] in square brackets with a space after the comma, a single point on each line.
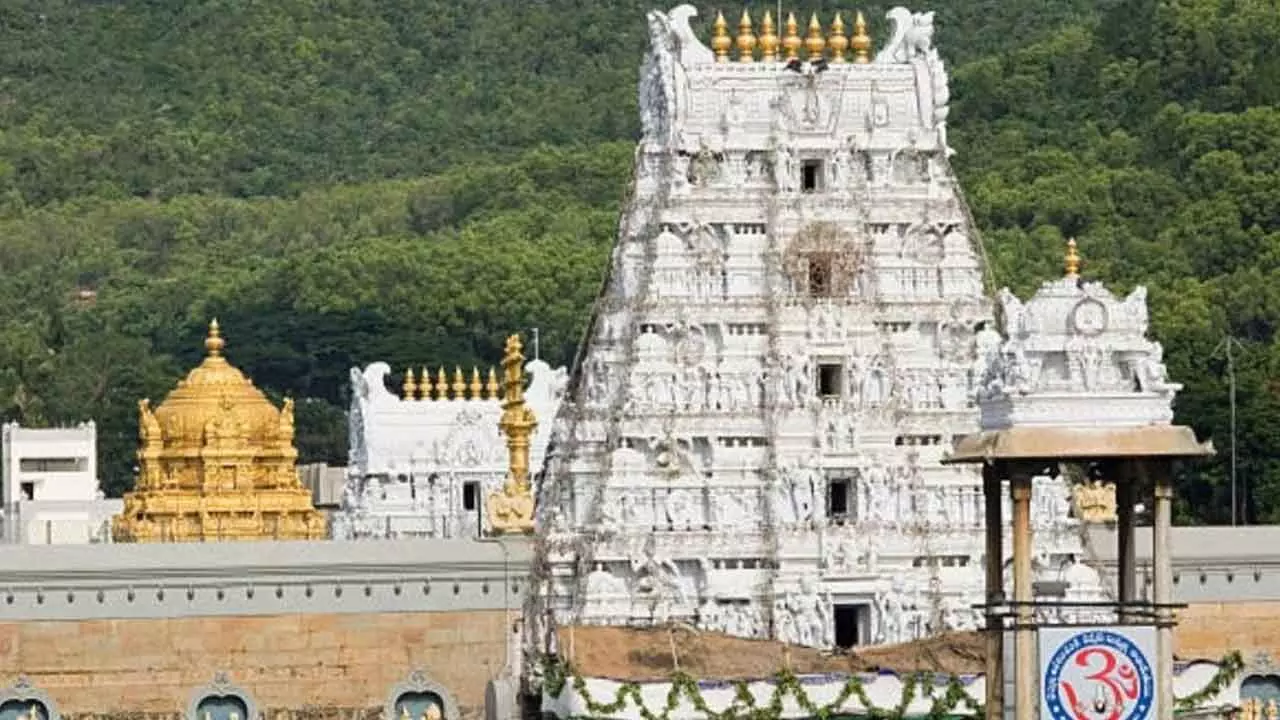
[300, 627]
[285, 662]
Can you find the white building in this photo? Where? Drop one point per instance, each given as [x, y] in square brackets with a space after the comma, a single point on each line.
[789, 342]
[50, 492]
[422, 463]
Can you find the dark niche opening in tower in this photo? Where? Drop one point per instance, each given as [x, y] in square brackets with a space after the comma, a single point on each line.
[829, 380]
[838, 500]
[820, 280]
[851, 624]
[811, 176]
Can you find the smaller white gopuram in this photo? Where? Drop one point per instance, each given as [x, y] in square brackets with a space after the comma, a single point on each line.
[1075, 356]
[422, 463]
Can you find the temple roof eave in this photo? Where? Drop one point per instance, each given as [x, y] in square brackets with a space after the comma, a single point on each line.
[1078, 444]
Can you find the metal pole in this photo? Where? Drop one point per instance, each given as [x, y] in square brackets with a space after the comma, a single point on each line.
[1231, 379]
[1226, 344]
[536, 343]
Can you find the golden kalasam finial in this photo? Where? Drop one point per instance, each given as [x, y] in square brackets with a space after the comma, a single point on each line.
[746, 39]
[814, 43]
[214, 342]
[476, 386]
[511, 509]
[861, 40]
[720, 41]
[410, 387]
[791, 42]
[424, 385]
[768, 39]
[1072, 260]
[491, 387]
[442, 385]
[459, 384]
[837, 41]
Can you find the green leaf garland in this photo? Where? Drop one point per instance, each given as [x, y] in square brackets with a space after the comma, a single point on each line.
[949, 700]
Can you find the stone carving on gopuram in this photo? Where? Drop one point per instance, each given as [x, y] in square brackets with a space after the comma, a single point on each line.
[424, 463]
[786, 344]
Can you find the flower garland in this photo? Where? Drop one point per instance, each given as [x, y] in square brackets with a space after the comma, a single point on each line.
[949, 700]
[1229, 668]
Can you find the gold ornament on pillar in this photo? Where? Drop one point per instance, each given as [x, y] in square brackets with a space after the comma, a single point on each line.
[837, 41]
[720, 40]
[746, 39]
[768, 39]
[814, 42]
[442, 385]
[491, 387]
[861, 42]
[1072, 259]
[216, 461]
[791, 42]
[510, 509]
[410, 387]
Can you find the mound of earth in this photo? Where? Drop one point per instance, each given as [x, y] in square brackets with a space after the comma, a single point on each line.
[646, 654]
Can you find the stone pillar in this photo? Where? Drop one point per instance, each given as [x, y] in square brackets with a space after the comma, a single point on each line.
[1160, 473]
[994, 590]
[1025, 637]
[1126, 550]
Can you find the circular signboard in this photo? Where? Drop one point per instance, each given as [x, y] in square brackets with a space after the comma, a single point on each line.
[1099, 675]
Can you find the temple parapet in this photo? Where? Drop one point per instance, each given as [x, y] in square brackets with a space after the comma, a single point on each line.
[690, 93]
[1074, 354]
[423, 462]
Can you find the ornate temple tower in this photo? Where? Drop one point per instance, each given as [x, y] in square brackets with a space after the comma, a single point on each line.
[787, 343]
[217, 462]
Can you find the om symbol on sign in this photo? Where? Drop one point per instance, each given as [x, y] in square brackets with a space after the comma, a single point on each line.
[1099, 675]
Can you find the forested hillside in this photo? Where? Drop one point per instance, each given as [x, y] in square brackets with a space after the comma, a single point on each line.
[342, 181]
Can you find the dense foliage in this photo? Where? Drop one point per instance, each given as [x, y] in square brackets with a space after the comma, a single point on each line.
[409, 180]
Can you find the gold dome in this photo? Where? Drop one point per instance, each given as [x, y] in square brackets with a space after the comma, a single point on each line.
[217, 462]
[212, 389]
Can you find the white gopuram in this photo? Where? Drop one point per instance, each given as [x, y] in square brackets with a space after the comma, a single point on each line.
[422, 464]
[787, 343]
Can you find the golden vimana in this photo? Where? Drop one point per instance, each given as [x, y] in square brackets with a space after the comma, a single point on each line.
[833, 44]
[216, 461]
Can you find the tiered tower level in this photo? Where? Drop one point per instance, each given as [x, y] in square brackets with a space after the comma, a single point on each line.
[785, 346]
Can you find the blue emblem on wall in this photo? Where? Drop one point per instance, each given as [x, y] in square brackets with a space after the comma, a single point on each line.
[1099, 675]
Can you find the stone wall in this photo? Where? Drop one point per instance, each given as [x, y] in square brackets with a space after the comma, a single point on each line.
[1211, 630]
[283, 662]
[297, 626]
